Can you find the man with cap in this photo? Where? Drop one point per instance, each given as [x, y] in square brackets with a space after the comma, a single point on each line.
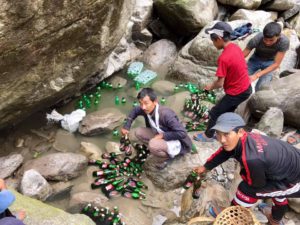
[232, 75]
[270, 168]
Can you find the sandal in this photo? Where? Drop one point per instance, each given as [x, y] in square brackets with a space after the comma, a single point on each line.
[294, 138]
[214, 211]
[267, 211]
[202, 138]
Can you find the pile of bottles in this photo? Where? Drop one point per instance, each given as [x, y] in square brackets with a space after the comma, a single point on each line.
[198, 112]
[194, 180]
[120, 176]
[103, 216]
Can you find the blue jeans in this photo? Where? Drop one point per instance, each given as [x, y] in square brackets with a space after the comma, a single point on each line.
[255, 64]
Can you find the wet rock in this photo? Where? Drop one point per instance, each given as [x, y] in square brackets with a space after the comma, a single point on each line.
[34, 185]
[295, 23]
[291, 12]
[163, 87]
[42, 147]
[9, 164]
[60, 188]
[246, 4]
[91, 150]
[160, 54]
[183, 17]
[142, 13]
[176, 102]
[39, 213]
[81, 199]
[65, 142]
[283, 93]
[141, 38]
[101, 121]
[58, 166]
[272, 122]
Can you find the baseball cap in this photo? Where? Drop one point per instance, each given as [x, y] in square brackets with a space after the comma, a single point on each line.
[228, 121]
[219, 28]
[6, 199]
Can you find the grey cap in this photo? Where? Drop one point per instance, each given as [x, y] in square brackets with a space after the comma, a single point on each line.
[219, 28]
[228, 121]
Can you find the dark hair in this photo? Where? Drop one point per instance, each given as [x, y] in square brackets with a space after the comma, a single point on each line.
[226, 36]
[236, 129]
[271, 30]
[147, 92]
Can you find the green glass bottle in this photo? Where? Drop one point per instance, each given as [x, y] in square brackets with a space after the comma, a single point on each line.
[137, 86]
[176, 88]
[117, 100]
[194, 149]
[135, 103]
[119, 86]
[163, 101]
[117, 182]
[123, 100]
[190, 180]
[133, 195]
[87, 209]
[95, 162]
[197, 188]
[96, 102]
[115, 133]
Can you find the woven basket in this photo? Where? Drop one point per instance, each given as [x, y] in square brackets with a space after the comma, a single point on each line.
[234, 215]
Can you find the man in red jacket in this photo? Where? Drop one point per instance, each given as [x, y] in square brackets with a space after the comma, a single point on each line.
[232, 75]
[270, 168]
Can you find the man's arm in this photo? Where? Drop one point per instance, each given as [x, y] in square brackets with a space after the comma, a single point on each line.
[246, 52]
[277, 61]
[2, 185]
[176, 130]
[216, 84]
[135, 112]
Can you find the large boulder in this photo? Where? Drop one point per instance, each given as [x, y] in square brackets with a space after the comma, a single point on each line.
[245, 4]
[39, 213]
[51, 48]
[295, 23]
[255, 16]
[283, 93]
[58, 166]
[8, 164]
[101, 121]
[184, 17]
[160, 54]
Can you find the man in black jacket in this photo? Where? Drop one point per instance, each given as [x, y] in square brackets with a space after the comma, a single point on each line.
[270, 168]
[164, 134]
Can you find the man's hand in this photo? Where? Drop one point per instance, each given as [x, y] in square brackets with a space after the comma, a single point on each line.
[124, 131]
[159, 136]
[253, 78]
[2, 185]
[200, 170]
[208, 87]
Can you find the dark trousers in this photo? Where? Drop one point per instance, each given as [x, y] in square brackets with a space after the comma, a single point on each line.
[227, 104]
[279, 191]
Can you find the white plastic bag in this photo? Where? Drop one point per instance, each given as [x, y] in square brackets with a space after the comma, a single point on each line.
[69, 122]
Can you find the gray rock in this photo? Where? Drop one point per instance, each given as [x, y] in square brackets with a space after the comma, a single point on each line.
[65, 142]
[245, 4]
[141, 38]
[184, 17]
[283, 93]
[112, 146]
[163, 87]
[272, 122]
[52, 48]
[59, 189]
[294, 203]
[160, 55]
[9, 164]
[39, 213]
[291, 12]
[81, 199]
[295, 23]
[101, 121]
[256, 17]
[91, 150]
[142, 13]
[58, 166]
[280, 5]
[176, 102]
[35, 185]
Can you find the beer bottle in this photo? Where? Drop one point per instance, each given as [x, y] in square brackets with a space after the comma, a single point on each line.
[117, 182]
[133, 195]
[99, 182]
[115, 133]
[116, 219]
[135, 103]
[117, 100]
[197, 188]
[95, 162]
[100, 173]
[123, 100]
[163, 101]
[176, 88]
[190, 180]
[137, 86]
[87, 210]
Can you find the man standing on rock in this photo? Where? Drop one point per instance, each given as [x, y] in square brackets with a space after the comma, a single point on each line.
[270, 48]
[164, 134]
[270, 168]
[232, 75]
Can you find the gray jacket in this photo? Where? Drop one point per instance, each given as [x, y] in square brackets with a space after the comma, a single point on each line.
[168, 122]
